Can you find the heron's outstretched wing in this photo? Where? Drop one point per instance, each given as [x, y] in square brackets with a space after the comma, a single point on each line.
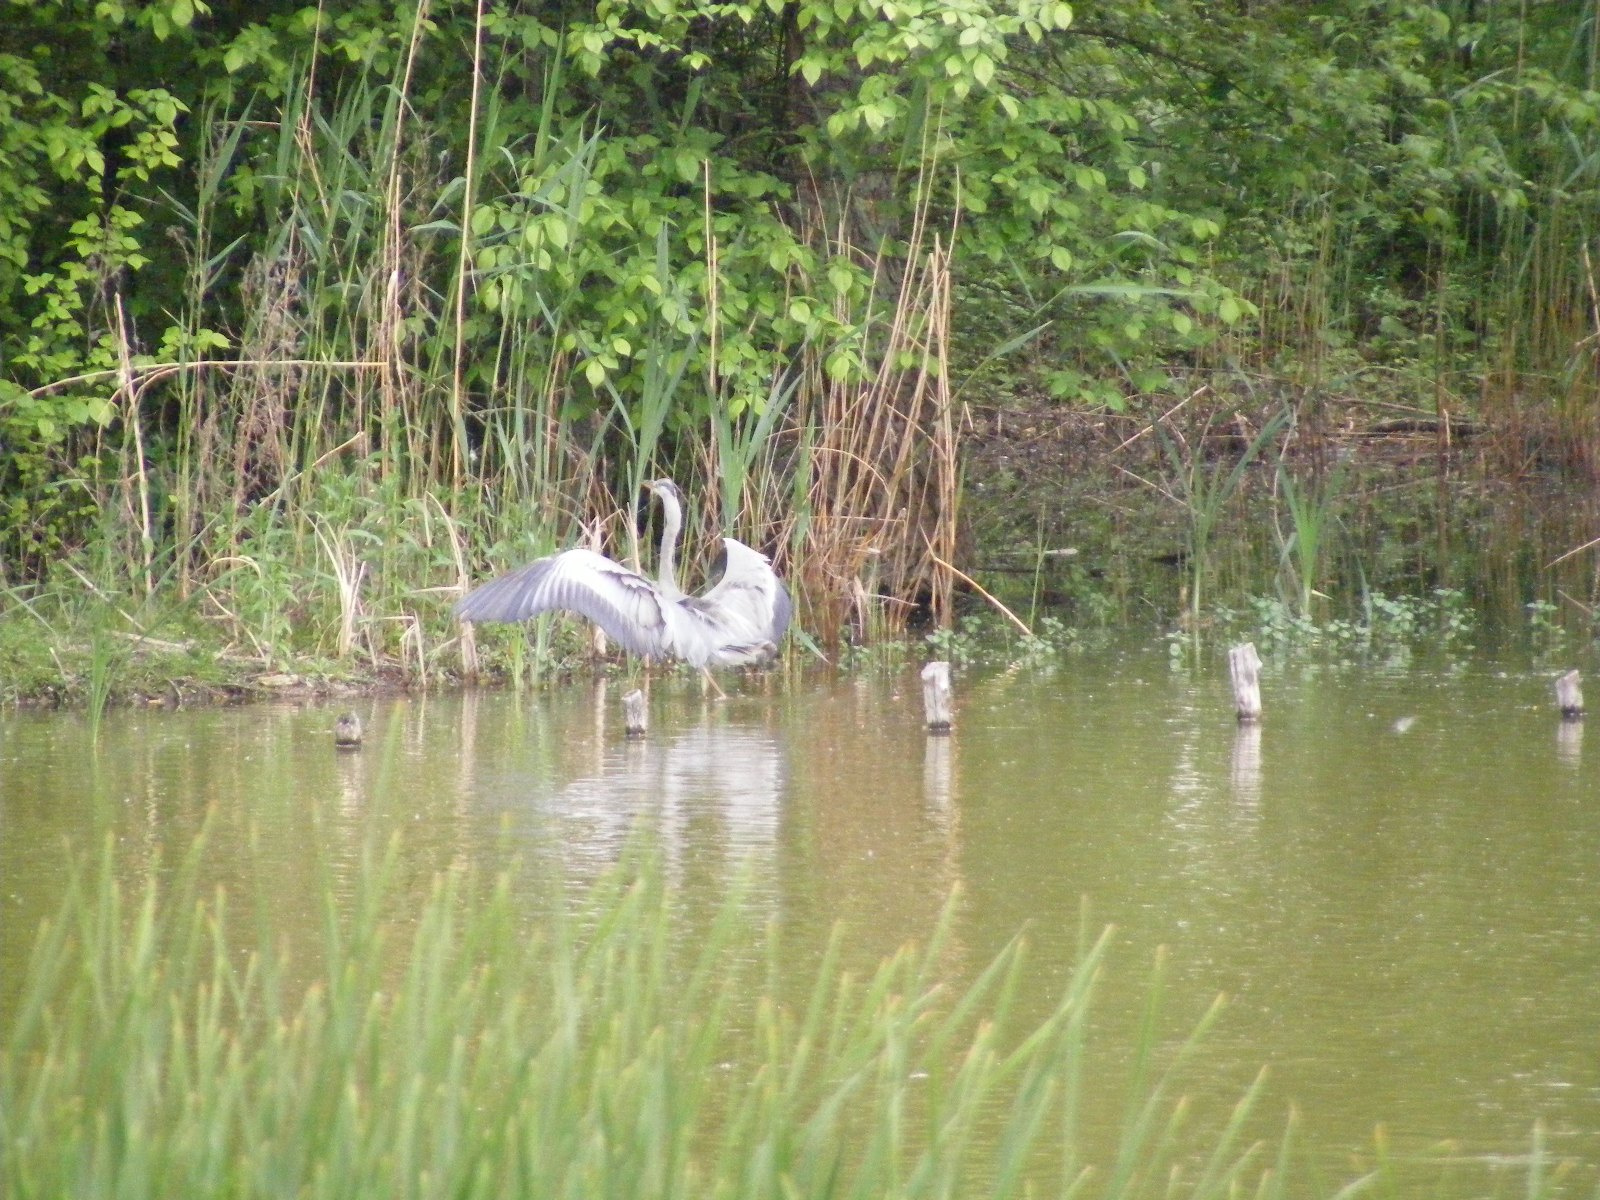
[750, 585]
[782, 612]
[744, 617]
[622, 602]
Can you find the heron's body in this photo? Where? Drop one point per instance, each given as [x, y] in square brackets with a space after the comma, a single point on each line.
[740, 620]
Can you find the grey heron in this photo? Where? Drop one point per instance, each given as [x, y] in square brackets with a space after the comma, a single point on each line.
[740, 620]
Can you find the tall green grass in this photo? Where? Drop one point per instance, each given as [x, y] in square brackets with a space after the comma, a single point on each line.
[1203, 483]
[388, 381]
[166, 1043]
[1312, 501]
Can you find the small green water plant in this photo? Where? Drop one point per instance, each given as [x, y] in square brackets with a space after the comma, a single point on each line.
[1441, 620]
[960, 643]
[1444, 617]
[984, 638]
[1551, 632]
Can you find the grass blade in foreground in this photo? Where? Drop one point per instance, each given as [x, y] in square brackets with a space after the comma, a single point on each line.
[158, 1050]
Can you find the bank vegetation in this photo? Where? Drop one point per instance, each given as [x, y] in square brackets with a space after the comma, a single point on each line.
[315, 314]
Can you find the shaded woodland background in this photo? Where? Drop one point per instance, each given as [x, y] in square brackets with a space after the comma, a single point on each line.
[315, 313]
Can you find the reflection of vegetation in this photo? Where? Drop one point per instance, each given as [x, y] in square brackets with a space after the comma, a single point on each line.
[155, 1050]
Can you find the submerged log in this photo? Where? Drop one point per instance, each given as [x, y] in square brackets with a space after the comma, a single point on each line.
[936, 696]
[1569, 696]
[1244, 666]
[635, 714]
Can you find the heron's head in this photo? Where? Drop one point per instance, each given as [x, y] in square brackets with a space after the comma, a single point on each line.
[666, 489]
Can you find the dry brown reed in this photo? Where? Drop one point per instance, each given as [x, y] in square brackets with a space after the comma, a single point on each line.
[883, 478]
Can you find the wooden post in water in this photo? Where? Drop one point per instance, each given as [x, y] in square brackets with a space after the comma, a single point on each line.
[347, 732]
[1244, 666]
[1569, 696]
[936, 696]
[635, 714]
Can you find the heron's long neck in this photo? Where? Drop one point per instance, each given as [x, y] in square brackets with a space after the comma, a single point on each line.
[671, 526]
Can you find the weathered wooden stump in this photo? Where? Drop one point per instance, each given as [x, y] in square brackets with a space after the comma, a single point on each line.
[1569, 696]
[936, 696]
[347, 732]
[635, 714]
[1244, 666]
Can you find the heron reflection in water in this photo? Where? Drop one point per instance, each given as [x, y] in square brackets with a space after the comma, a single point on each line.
[741, 620]
[709, 799]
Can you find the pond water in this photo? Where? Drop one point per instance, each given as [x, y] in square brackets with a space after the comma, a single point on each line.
[1395, 879]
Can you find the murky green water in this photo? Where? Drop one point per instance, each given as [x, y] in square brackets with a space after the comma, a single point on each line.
[1396, 879]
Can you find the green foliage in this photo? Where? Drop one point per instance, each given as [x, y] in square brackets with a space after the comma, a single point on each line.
[484, 283]
[81, 153]
[1440, 621]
